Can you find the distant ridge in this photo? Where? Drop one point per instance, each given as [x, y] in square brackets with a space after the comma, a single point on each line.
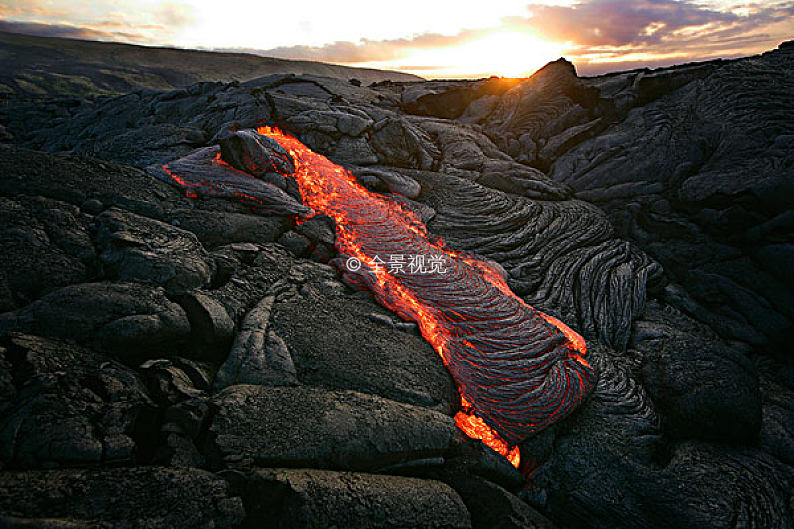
[32, 66]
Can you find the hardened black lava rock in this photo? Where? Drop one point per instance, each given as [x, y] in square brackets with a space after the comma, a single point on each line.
[254, 153]
[188, 361]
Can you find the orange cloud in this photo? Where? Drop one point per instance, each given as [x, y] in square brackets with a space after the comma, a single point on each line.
[597, 35]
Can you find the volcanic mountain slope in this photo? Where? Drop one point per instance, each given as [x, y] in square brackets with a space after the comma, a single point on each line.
[179, 362]
[36, 67]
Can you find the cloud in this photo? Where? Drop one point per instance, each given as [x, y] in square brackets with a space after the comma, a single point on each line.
[598, 33]
[647, 22]
[67, 31]
[616, 22]
[605, 35]
[175, 14]
[367, 50]
[38, 9]
[105, 21]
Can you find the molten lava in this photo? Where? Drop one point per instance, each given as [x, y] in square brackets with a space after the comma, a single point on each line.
[517, 370]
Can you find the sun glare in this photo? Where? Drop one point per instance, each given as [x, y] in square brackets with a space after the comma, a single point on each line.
[507, 54]
[504, 53]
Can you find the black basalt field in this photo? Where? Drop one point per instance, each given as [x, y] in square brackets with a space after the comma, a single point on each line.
[181, 345]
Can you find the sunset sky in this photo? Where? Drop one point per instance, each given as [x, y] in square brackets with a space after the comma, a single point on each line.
[426, 37]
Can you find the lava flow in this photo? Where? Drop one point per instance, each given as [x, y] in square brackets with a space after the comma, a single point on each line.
[517, 370]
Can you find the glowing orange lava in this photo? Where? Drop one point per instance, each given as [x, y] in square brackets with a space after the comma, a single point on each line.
[367, 223]
[517, 369]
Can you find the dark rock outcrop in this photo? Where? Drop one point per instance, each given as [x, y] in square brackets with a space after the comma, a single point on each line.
[342, 429]
[135, 248]
[305, 497]
[254, 154]
[68, 406]
[340, 347]
[703, 388]
[258, 356]
[700, 177]
[144, 497]
[128, 320]
[46, 244]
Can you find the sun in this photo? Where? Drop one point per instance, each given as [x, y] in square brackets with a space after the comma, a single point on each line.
[506, 54]
[501, 53]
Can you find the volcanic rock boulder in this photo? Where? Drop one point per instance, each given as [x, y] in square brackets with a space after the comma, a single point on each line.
[210, 323]
[129, 320]
[401, 144]
[702, 387]
[321, 429]
[382, 180]
[339, 347]
[475, 458]
[461, 149]
[69, 406]
[319, 234]
[79, 180]
[181, 427]
[171, 381]
[321, 498]
[216, 228]
[258, 355]
[135, 248]
[141, 497]
[352, 123]
[248, 273]
[254, 153]
[46, 244]
[492, 506]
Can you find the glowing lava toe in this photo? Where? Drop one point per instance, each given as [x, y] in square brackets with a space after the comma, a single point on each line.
[203, 174]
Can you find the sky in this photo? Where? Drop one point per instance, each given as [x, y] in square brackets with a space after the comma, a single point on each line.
[430, 38]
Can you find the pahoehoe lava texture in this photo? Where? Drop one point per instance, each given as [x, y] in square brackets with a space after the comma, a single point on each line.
[517, 369]
[204, 174]
[650, 210]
